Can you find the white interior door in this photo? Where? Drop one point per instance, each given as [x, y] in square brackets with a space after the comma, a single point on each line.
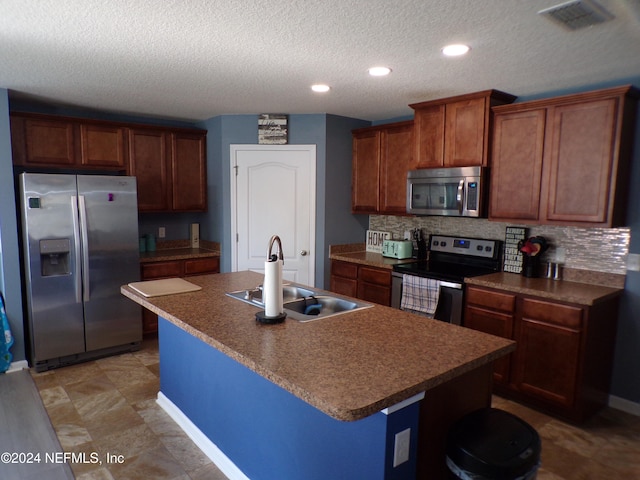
[273, 190]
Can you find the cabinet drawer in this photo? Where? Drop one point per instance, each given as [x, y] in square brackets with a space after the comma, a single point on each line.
[555, 313]
[344, 269]
[375, 275]
[202, 265]
[161, 269]
[374, 293]
[494, 300]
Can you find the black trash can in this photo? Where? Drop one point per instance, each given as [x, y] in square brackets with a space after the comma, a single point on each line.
[491, 444]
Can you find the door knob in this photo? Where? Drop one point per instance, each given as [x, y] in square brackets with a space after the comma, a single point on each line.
[303, 252]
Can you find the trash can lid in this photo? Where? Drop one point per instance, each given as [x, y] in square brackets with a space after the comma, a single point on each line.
[494, 444]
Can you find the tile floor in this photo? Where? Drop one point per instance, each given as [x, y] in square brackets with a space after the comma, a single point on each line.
[108, 406]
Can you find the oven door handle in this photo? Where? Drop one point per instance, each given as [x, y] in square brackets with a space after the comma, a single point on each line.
[443, 283]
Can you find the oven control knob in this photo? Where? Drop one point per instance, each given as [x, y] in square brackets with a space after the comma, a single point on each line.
[488, 248]
[436, 243]
[479, 248]
[443, 244]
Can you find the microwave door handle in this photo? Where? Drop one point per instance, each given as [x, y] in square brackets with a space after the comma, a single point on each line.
[460, 196]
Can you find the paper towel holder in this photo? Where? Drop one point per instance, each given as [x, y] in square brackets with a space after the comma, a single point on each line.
[261, 316]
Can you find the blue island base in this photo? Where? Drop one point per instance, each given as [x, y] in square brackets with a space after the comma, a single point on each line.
[254, 429]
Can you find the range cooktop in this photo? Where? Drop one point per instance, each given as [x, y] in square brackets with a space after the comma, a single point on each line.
[454, 258]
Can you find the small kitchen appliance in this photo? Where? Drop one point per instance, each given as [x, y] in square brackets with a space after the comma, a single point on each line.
[399, 249]
[454, 192]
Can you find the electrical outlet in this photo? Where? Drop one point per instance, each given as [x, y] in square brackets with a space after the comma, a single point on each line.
[401, 447]
[407, 235]
[561, 255]
[633, 262]
[162, 232]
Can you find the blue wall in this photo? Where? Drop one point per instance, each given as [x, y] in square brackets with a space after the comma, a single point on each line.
[332, 137]
[10, 284]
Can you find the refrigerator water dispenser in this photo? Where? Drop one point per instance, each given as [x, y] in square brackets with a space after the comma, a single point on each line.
[54, 256]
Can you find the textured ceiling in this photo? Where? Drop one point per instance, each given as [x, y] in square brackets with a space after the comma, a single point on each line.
[196, 59]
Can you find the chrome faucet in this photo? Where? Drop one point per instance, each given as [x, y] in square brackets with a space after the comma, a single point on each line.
[279, 255]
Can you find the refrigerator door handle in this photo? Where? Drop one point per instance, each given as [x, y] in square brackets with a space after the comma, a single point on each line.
[82, 209]
[78, 252]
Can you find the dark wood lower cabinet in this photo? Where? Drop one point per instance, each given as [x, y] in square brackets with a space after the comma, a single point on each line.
[367, 283]
[169, 269]
[564, 353]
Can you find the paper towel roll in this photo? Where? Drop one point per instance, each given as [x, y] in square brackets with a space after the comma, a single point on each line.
[272, 288]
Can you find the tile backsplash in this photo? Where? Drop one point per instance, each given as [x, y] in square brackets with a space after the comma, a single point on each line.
[594, 249]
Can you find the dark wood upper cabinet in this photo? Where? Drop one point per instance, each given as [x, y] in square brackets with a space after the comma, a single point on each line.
[168, 163]
[455, 131]
[103, 146]
[39, 141]
[188, 172]
[564, 160]
[149, 163]
[382, 156]
[365, 171]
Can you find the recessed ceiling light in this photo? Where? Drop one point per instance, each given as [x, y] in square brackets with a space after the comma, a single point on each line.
[455, 50]
[379, 71]
[320, 88]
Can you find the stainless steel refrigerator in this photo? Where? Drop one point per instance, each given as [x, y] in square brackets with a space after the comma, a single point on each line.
[80, 244]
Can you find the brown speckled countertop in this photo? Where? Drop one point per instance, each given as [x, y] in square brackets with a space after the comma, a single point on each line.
[176, 254]
[562, 290]
[356, 253]
[349, 366]
[180, 250]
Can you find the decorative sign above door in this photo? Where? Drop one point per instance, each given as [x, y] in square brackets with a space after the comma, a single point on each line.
[273, 129]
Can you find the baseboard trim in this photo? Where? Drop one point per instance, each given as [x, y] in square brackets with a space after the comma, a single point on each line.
[209, 448]
[625, 405]
[18, 366]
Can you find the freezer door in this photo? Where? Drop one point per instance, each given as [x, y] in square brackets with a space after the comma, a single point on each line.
[52, 269]
[109, 228]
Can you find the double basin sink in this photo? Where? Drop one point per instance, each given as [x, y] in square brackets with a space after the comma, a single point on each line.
[303, 304]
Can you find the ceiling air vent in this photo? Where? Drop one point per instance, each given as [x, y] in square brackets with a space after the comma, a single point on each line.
[577, 14]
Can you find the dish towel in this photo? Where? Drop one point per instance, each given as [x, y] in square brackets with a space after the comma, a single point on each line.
[420, 294]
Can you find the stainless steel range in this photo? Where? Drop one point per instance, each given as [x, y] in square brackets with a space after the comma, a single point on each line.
[450, 260]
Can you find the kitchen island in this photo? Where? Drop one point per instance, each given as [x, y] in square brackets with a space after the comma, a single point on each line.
[348, 396]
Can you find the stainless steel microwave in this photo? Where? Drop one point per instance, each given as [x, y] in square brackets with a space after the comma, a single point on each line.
[456, 192]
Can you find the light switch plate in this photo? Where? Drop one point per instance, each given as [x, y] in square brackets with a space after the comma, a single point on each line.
[633, 262]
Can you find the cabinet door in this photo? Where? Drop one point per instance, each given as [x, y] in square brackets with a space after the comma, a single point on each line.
[48, 143]
[344, 286]
[148, 162]
[429, 131]
[344, 278]
[516, 165]
[370, 292]
[581, 161]
[366, 172]
[188, 172]
[464, 133]
[492, 312]
[494, 323]
[548, 354]
[396, 160]
[102, 146]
